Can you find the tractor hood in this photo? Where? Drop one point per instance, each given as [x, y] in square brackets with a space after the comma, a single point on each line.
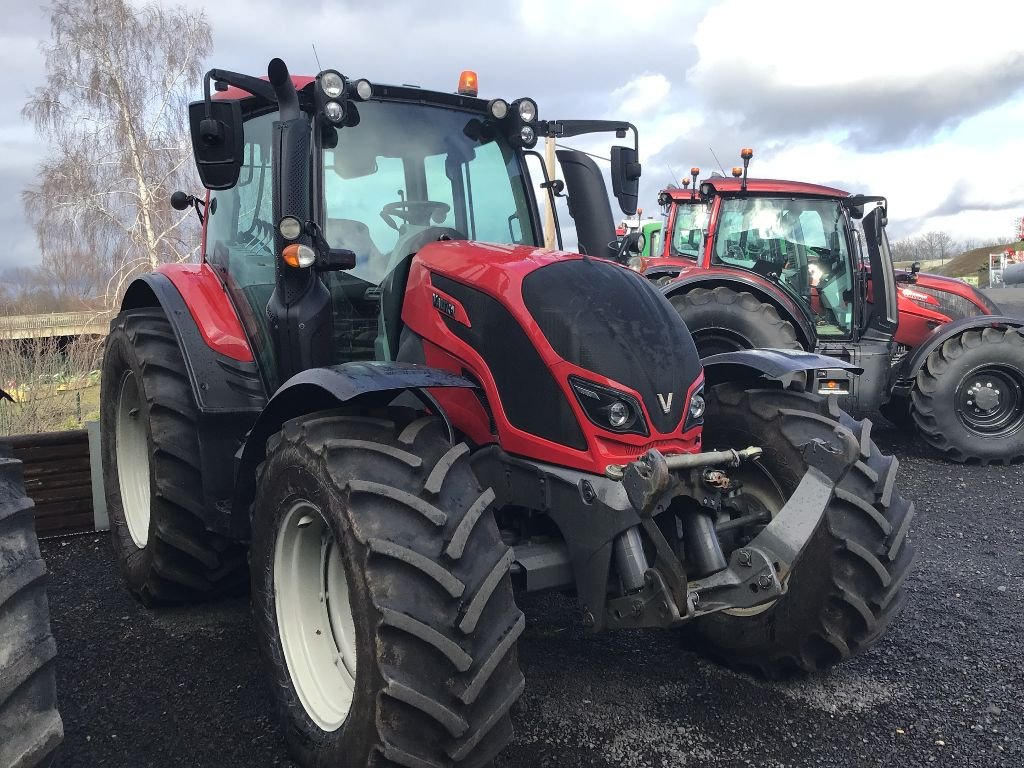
[537, 320]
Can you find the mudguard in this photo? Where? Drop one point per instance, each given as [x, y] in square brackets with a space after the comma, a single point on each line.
[913, 363]
[766, 364]
[370, 384]
[220, 365]
[764, 289]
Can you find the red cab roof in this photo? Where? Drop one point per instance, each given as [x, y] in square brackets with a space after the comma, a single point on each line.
[300, 82]
[729, 185]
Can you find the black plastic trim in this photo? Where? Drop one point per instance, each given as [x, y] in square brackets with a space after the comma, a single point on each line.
[370, 384]
[221, 385]
[766, 363]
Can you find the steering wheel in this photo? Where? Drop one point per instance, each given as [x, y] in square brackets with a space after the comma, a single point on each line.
[418, 212]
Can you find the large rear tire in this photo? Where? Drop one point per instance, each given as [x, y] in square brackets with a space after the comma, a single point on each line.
[968, 399]
[724, 320]
[392, 642]
[30, 726]
[151, 471]
[848, 585]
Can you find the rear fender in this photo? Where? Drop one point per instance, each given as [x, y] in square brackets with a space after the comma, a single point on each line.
[765, 290]
[751, 365]
[364, 385]
[913, 363]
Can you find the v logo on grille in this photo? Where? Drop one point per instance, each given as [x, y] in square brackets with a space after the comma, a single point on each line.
[665, 402]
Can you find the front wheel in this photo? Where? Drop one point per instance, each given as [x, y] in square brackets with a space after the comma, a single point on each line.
[968, 399]
[382, 597]
[848, 584]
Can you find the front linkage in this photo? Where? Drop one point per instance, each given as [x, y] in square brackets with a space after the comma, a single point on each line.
[625, 523]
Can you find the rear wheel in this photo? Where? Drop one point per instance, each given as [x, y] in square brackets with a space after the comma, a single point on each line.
[724, 320]
[30, 726]
[382, 596]
[848, 584]
[968, 399]
[151, 471]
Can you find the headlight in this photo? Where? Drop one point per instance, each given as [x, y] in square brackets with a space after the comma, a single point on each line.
[608, 408]
[527, 135]
[334, 111]
[527, 110]
[332, 84]
[695, 412]
[697, 406]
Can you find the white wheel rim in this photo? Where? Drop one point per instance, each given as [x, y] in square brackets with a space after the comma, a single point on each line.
[132, 450]
[314, 615]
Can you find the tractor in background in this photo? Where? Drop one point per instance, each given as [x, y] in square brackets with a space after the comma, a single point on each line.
[767, 263]
[383, 397]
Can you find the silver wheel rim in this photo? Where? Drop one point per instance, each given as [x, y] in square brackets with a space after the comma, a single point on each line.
[314, 615]
[132, 451]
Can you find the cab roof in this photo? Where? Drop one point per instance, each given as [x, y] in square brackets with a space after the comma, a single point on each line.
[728, 185]
[303, 83]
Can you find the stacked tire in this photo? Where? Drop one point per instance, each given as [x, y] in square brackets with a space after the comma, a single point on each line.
[30, 726]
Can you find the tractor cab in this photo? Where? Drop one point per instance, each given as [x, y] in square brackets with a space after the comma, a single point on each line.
[390, 170]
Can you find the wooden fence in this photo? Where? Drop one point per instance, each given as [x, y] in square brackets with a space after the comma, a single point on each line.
[58, 479]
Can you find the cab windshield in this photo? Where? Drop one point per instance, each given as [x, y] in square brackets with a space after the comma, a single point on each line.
[687, 237]
[800, 242]
[406, 175]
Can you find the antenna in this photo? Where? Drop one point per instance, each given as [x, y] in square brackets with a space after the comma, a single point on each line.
[318, 67]
[717, 161]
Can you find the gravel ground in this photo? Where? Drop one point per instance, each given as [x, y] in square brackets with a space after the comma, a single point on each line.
[182, 687]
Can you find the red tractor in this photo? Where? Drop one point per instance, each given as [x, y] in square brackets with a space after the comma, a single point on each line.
[382, 395]
[765, 263]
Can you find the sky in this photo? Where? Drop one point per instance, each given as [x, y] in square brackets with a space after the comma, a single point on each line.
[921, 102]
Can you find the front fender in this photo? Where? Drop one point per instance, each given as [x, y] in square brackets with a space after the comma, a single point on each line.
[368, 385]
[751, 364]
[913, 363]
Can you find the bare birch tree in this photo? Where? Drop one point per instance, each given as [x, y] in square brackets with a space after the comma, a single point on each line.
[114, 109]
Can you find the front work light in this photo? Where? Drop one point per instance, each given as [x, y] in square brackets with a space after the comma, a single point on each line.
[363, 90]
[498, 109]
[334, 112]
[527, 110]
[289, 227]
[332, 83]
[527, 136]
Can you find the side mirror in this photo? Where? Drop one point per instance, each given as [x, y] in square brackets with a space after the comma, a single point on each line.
[217, 142]
[630, 245]
[626, 178]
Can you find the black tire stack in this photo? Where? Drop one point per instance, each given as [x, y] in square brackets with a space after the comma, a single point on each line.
[30, 726]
